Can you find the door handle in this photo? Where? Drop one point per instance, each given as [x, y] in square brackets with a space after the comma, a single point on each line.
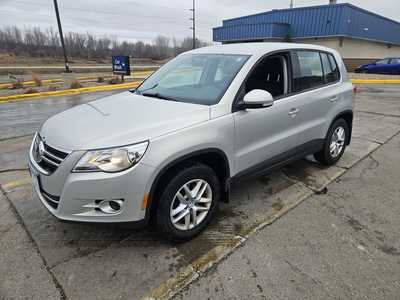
[294, 111]
[334, 99]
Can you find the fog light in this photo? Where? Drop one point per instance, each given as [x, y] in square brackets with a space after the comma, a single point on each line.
[115, 205]
[111, 206]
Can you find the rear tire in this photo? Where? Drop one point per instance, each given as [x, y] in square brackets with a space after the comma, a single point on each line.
[182, 212]
[335, 143]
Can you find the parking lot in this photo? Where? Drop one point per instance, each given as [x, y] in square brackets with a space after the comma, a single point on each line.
[301, 232]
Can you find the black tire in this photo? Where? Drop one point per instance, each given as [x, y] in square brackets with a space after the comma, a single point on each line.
[163, 219]
[324, 156]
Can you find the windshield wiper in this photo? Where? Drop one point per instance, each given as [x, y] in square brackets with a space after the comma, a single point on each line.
[145, 90]
[158, 96]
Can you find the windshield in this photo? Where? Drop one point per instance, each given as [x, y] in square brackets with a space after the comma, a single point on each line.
[194, 78]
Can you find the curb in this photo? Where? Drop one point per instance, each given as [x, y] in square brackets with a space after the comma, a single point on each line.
[101, 88]
[8, 85]
[375, 81]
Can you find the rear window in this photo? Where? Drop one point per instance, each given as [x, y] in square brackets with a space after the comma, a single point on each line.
[308, 73]
[336, 72]
[331, 70]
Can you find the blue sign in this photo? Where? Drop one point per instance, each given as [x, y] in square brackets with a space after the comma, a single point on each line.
[121, 65]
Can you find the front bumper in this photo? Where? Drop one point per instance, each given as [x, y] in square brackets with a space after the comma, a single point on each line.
[75, 196]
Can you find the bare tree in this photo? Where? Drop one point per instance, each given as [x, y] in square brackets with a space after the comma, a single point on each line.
[34, 41]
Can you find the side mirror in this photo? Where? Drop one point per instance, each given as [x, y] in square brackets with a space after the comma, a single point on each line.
[257, 99]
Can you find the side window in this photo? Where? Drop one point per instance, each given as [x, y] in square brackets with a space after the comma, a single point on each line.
[331, 70]
[329, 76]
[308, 72]
[395, 61]
[382, 61]
[269, 75]
[335, 68]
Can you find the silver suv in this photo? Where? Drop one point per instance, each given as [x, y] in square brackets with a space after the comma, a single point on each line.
[169, 150]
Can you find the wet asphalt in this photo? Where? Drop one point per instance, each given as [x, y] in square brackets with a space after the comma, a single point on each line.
[44, 258]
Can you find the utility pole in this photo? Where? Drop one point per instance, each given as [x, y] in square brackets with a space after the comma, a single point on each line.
[291, 3]
[194, 23]
[67, 70]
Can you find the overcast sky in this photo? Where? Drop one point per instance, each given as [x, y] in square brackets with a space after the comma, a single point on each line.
[145, 19]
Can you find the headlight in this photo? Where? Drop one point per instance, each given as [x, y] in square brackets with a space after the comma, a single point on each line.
[111, 160]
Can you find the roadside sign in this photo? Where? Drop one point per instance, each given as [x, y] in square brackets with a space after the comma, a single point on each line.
[121, 65]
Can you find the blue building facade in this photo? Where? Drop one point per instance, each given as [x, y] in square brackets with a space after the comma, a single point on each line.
[325, 21]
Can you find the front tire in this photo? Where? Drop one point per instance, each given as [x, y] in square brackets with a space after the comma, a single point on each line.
[335, 143]
[188, 202]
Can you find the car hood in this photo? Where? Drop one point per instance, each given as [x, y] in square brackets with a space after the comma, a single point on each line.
[120, 119]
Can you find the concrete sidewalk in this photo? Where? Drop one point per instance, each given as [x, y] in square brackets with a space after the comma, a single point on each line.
[341, 245]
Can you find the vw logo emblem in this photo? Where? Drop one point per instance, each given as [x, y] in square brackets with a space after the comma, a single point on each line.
[38, 150]
[41, 149]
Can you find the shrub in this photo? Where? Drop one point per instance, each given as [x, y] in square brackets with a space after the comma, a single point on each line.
[31, 91]
[18, 84]
[75, 85]
[100, 79]
[52, 88]
[114, 80]
[36, 78]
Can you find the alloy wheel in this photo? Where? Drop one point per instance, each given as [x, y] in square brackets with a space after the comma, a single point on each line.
[337, 142]
[191, 204]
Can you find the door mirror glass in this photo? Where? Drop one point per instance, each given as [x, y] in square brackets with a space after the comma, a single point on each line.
[257, 99]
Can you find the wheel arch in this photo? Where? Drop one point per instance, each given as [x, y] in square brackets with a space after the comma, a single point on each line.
[212, 157]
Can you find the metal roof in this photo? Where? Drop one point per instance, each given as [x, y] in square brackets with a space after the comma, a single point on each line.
[257, 49]
[344, 20]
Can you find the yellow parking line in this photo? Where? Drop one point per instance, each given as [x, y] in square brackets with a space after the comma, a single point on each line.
[375, 81]
[101, 88]
[16, 183]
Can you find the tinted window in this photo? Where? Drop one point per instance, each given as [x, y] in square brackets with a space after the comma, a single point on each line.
[335, 68]
[328, 71]
[382, 61]
[268, 75]
[395, 61]
[308, 74]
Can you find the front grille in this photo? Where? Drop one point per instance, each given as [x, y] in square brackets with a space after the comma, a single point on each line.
[48, 158]
[50, 199]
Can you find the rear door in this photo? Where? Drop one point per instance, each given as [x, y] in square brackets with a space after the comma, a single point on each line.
[315, 86]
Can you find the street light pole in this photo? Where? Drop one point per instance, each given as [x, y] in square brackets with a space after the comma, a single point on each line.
[67, 70]
[194, 24]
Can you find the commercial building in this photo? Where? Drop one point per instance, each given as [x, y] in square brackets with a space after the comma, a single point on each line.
[359, 35]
